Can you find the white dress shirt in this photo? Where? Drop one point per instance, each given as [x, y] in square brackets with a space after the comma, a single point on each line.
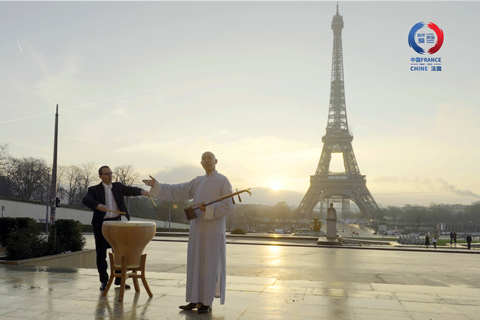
[110, 202]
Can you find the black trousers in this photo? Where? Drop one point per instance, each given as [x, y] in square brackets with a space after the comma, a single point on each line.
[101, 246]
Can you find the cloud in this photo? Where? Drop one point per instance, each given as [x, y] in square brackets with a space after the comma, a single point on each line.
[178, 174]
[438, 185]
[19, 46]
[442, 185]
[270, 197]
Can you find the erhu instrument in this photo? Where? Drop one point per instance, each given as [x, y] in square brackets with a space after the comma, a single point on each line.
[190, 211]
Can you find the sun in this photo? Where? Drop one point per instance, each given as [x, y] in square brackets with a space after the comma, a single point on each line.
[275, 186]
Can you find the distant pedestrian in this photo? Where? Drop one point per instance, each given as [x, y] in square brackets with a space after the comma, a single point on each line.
[434, 241]
[451, 237]
[427, 241]
[469, 241]
[455, 238]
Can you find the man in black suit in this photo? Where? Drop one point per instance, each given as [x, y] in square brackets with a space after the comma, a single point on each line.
[103, 199]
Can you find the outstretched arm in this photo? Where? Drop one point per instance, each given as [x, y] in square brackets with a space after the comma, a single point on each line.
[149, 182]
[134, 191]
[170, 192]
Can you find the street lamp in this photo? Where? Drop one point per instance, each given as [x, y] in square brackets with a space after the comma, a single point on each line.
[395, 220]
[170, 214]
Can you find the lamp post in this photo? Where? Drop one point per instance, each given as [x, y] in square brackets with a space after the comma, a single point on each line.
[47, 203]
[170, 214]
[395, 220]
[3, 208]
[53, 186]
[470, 228]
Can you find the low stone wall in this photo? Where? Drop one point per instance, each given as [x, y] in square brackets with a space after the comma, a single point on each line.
[77, 259]
[16, 209]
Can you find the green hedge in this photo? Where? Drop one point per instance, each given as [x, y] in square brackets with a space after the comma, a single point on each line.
[238, 231]
[64, 236]
[24, 245]
[8, 225]
[23, 240]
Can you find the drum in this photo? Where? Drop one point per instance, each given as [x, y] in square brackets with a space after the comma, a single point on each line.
[128, 238]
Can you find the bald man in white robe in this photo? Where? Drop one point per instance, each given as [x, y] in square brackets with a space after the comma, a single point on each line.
[206, 258]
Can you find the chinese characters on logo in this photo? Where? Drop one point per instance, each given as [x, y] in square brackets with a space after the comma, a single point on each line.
[425, 64]
[425, 39]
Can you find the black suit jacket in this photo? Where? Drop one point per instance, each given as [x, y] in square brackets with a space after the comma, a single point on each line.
[96, 196]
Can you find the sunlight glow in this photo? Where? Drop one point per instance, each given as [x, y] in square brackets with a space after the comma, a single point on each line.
[273, 255]
[275, 186]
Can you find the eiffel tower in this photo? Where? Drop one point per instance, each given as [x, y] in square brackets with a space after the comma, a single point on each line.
[349, 184]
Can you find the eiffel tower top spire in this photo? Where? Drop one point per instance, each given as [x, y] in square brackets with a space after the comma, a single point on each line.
[337, 125]
[338, 137]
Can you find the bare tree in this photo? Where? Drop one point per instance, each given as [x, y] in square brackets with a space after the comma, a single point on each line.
[3, 158]
[415, 215]
[5, 182]
[282, 211]
[73, 178]
[88, 174]
[29, 177]
[61, 184]
[126, 175]
[74, 181]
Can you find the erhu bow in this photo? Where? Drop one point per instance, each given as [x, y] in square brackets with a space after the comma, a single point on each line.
[190, 211]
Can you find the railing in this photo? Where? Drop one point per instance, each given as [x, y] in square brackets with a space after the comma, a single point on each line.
[336, 176]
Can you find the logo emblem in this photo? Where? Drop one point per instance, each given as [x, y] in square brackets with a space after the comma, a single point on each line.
[425, 38]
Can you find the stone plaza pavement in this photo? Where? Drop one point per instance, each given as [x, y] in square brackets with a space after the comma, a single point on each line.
[264, 281]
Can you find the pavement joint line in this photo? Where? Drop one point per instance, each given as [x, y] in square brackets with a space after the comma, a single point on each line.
[369, 247]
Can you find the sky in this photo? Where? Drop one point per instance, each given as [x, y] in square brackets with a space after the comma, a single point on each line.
[155, 84]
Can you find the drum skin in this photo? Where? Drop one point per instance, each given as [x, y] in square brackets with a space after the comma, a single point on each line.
[128, 238]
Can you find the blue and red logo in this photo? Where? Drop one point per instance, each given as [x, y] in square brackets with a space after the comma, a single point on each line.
[425, 38]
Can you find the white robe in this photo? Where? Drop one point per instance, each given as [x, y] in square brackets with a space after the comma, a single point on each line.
[206, 258]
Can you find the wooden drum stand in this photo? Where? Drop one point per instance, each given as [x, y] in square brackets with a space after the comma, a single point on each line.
[128, 239]
[123, 275]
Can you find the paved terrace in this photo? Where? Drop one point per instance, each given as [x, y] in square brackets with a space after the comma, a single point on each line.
[265, 280]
